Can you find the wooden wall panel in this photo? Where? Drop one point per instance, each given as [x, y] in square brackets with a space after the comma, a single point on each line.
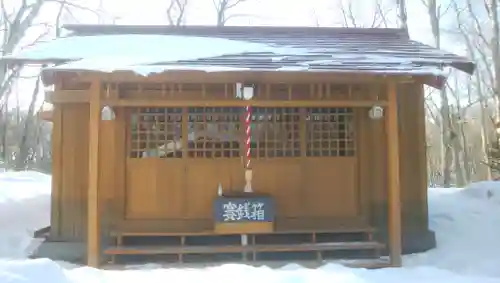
[72, 208]
[412, 161]
[159, 189]
[331, 187]
[376, 145]
[281, 178]
[364, 154]
[107, 172]
[202, 180]
[74, 173]
[171, 188]
[155, 188]
[412, 156]
[141, 189]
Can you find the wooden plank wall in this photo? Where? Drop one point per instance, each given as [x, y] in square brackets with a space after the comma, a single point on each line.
[70, 180]
[72, 172]
[412, 161]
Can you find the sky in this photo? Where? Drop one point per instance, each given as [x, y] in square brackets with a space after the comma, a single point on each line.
[253, 12]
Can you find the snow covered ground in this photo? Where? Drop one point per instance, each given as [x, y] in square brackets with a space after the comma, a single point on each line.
[467, 223]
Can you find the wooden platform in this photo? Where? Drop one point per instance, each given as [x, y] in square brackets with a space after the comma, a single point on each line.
[279, 246]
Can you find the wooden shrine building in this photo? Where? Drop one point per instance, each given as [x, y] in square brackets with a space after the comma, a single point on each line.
[150, 141]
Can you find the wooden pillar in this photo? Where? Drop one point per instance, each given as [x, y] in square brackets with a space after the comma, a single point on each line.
[93, 226]
[57, 171]
[394, 186]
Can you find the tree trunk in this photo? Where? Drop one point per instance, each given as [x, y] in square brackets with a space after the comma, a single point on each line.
[24, 148]
[446, 147]
[403, 15]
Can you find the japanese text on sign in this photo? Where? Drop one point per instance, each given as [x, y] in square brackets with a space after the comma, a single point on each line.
[253, 211]
[244, 209]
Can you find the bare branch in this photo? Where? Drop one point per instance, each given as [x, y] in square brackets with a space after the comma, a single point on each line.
[58, 18]
[222, 7]
[176, 12]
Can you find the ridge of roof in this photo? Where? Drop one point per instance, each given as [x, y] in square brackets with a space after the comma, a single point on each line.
[261, 30]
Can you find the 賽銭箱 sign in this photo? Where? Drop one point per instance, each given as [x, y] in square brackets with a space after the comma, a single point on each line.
[244, 209]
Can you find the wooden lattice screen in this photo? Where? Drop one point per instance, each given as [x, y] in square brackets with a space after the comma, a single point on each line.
[330, 132]
[275, 132]
[155, 132]
[215, 132]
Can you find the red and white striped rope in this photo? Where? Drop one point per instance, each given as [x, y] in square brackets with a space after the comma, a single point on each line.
[248, 124]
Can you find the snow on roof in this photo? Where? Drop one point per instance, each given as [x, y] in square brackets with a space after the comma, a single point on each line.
[122, 50]
[109, 65]
[145, 54]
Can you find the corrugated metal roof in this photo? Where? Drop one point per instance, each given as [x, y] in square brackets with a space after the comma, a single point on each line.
[330, 49]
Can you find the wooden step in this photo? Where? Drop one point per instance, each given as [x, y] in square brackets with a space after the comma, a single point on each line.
[125, 233]
[138, 250]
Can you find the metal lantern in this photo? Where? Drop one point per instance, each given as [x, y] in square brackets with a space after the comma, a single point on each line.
[107, 113]
[376, 112]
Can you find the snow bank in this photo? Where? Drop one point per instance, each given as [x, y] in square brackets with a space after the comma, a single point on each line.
[485, 190]
[32, 271]
[467, 226]
[290, 274]
[24, 208]
[466, 222]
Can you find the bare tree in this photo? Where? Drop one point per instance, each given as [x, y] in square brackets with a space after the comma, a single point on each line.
[15, 25]
[19, 135]
[350, 17]
[402, 14]
[176, 12]
[29, 124]
[492, 9]
[469, 38]
[435, 12]
[222, 8]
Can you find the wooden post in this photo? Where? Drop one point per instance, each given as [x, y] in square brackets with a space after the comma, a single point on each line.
[93, 225]
[55, 212]
[394, 186]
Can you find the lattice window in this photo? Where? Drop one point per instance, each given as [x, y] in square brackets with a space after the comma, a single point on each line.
[275, 132]
[155, 132]
[214, 132]
[330, 132]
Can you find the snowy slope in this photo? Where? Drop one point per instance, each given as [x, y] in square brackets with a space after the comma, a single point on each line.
[466, 222]
[467, 226]
[24, 208]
